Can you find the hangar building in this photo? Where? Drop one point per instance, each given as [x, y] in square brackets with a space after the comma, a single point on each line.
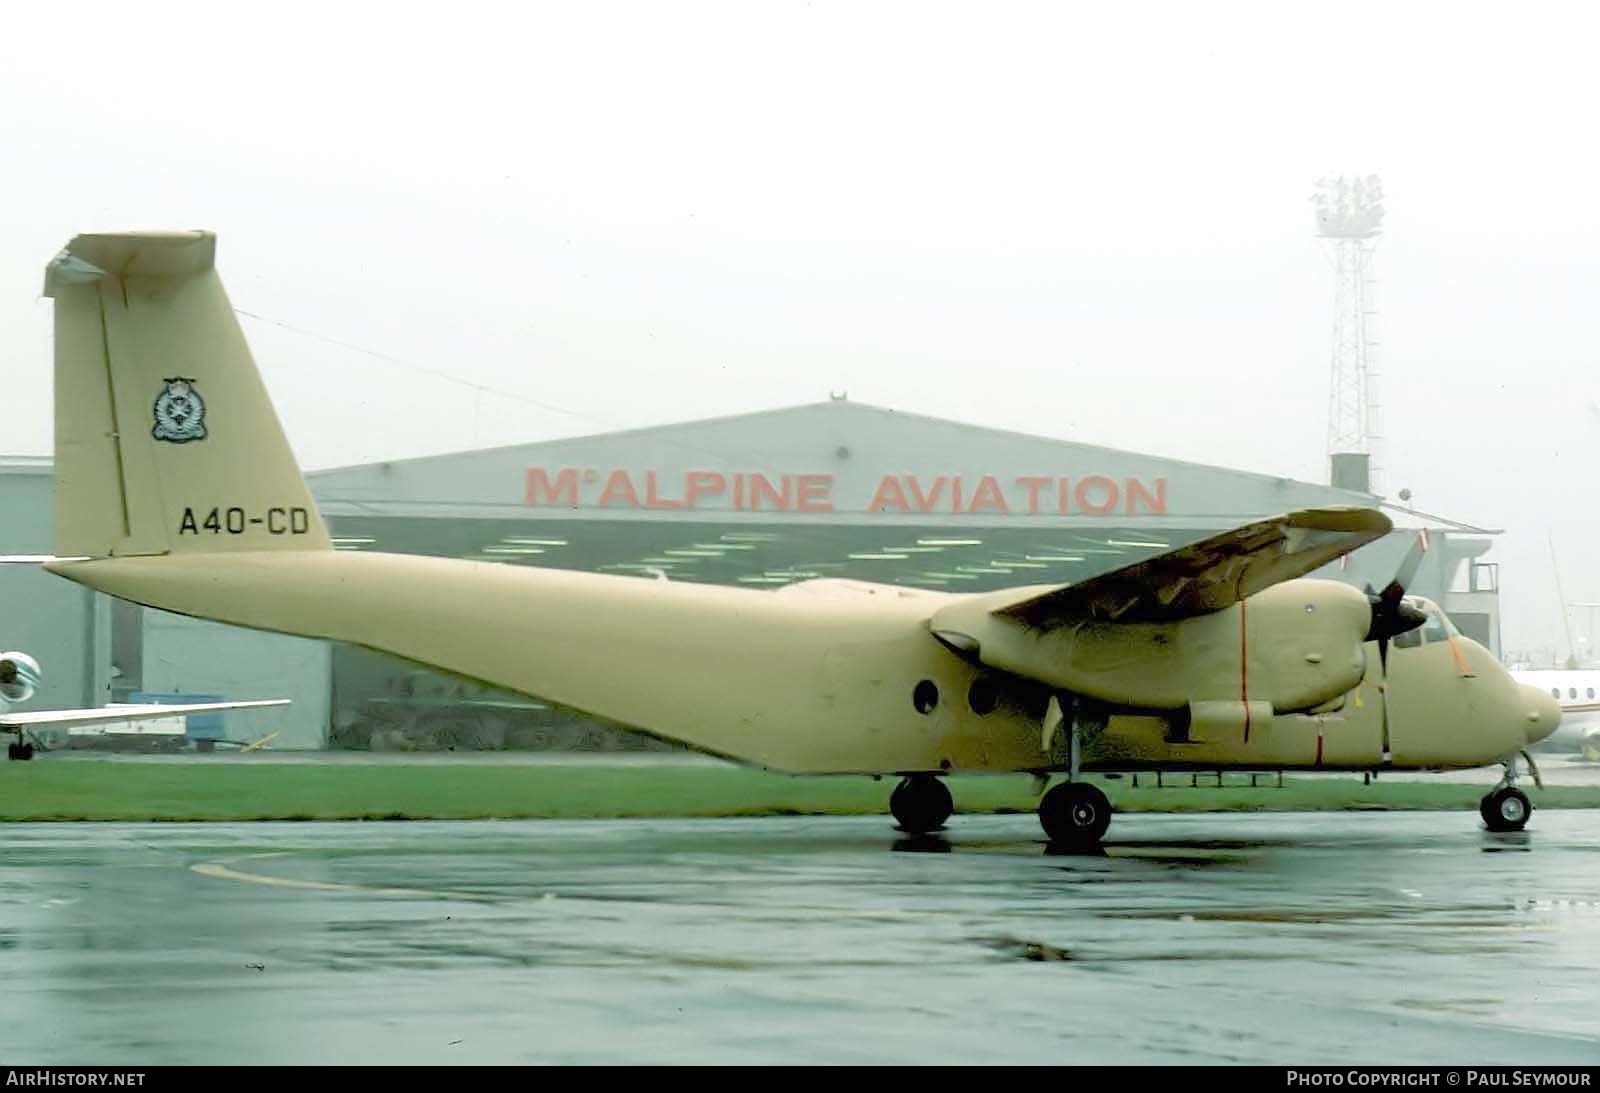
[837, 488]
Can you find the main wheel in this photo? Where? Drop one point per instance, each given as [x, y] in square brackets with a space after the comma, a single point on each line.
[1075, 815]
[1506, 809]
[921, 803]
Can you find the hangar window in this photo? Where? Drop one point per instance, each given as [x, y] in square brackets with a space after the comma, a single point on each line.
[926, 696]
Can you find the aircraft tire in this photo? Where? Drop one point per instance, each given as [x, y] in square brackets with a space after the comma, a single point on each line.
[19, 751]
[921, 803]
[1075, 816]
[1506, 809]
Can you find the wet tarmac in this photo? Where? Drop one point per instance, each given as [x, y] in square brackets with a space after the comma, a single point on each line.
[1258, 938]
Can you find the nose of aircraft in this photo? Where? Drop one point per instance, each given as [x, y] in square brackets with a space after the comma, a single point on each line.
[1542, 712]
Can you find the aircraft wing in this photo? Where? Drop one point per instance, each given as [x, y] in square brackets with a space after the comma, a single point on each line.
[1205, 576]
[14, 721]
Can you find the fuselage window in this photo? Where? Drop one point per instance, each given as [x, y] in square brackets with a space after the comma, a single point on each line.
[1572, 692]
[1555, 692]
[1591, 692]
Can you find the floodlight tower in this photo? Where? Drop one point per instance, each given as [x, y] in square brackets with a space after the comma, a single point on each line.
[1350, 215]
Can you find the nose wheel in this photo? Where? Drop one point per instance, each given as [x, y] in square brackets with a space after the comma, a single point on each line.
[1507, 808]
[921, 803]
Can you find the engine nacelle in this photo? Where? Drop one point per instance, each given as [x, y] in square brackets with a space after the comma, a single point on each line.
[1294, 646]
[19, 676]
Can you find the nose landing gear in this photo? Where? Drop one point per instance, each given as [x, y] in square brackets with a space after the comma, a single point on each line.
[1507, 808]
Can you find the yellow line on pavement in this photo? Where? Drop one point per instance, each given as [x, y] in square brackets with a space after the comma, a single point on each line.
[224, 871]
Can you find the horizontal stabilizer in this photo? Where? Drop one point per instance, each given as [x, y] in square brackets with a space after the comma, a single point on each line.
[89, 258]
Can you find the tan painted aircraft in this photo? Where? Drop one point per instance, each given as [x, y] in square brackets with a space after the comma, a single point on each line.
[174, 479]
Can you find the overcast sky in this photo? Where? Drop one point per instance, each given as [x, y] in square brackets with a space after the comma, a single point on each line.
[477, 226]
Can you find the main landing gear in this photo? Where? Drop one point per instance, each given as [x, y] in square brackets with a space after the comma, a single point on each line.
[1506, 808]
[20, 749]
[1074, 816]
[921, 803]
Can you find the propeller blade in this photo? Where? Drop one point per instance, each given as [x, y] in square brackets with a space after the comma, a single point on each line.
[1412, 561]
[1383, 692]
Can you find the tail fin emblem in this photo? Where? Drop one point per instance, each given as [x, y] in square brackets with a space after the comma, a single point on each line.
[180, 415]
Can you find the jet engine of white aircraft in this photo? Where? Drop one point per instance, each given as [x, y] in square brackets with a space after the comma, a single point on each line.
[19, 676]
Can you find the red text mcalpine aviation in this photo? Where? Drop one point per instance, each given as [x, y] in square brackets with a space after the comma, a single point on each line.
[753, 491]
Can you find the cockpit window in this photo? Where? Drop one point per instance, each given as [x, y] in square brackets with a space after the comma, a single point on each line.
[1437, 626]
[1434, 628]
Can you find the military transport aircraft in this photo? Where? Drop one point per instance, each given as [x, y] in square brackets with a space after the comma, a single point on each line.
[20, 676]
[173, 477]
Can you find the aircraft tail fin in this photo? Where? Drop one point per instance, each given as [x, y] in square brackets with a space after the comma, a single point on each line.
[166, 440]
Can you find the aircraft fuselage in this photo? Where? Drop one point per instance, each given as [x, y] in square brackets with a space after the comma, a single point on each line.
[791, 680]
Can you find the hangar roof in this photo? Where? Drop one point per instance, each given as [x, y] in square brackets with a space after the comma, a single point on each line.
[826, 462]
[835, 488]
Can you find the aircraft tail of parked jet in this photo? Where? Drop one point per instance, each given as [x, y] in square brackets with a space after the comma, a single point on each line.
[150, 365]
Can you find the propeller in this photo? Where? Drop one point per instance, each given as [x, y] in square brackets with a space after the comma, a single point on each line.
[1392, 616]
